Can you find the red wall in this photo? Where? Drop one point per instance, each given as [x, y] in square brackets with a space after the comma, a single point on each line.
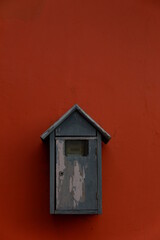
[105, 56]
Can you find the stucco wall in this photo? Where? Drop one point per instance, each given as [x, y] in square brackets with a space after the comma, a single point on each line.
[105, 56]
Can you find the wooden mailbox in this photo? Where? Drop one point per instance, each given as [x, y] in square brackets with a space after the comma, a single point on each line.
[75, 163]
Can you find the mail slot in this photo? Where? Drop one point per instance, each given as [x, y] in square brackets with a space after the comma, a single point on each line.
[76, 147]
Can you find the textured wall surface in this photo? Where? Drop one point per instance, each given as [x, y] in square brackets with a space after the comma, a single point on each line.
[105, 56]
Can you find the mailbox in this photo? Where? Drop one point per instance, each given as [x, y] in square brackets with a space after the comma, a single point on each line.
[75, 163]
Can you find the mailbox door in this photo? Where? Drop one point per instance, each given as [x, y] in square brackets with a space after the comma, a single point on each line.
[76, 174]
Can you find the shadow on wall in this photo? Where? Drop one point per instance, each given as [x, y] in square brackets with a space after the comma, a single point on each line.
[65, 224]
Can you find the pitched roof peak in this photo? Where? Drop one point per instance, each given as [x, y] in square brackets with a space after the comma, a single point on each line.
[105, 136]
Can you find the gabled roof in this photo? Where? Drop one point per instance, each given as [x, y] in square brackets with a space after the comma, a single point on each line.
[105, 136]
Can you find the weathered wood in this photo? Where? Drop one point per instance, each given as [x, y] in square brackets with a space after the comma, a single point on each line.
[52, 173]
[75, 164]
[76, 178]
[99, 155]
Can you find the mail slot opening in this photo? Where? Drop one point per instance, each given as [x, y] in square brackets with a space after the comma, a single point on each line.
[76, 147]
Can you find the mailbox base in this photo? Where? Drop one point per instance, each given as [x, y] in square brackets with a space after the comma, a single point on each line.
[76, 212]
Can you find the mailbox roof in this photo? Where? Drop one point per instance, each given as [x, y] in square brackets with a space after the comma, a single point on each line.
[105, 136]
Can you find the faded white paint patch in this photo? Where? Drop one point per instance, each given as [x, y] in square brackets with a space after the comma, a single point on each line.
[60, 155]
[77, 184]
[70, 184]
[60, 167]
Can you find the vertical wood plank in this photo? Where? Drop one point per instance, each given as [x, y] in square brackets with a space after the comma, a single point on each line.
[99, 155]
[52, 173]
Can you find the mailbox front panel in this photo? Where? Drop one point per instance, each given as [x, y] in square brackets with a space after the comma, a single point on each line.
[76, 174]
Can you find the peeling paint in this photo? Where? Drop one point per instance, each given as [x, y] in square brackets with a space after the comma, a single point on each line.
[77, 184]
[76, 179]
[60, 167]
